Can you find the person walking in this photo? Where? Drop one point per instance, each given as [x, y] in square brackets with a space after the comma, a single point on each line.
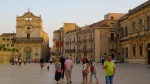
[102, 60]
[42, 63]
[68, 69]
[24, 60]
[85, 71]
[58, 71]
[109, 67]
[62, 61]
[93, 71]
[20, 61]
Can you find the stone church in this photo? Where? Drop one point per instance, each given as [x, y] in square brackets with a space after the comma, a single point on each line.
[30, 39]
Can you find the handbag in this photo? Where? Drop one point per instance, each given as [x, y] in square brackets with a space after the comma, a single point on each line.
[59, 71]
[92, 69]
[86, 72]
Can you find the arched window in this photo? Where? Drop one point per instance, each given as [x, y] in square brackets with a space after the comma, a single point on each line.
[140, 25]
[134, 27]
[148, 22]
[126, 52]
[123, 52]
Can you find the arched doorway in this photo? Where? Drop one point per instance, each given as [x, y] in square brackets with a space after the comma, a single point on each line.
[27, 51]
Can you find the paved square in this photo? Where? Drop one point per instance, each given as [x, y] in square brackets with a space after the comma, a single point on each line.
[32, 74]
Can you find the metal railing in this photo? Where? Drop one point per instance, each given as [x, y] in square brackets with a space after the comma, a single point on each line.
[40, 39]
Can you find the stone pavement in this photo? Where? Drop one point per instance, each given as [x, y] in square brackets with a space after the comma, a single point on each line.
[32, 74]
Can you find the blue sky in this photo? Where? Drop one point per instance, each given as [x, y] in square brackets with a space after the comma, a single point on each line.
[55, 12]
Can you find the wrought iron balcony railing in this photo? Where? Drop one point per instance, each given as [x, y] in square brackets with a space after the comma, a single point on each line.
[40, 39]
[91, 40]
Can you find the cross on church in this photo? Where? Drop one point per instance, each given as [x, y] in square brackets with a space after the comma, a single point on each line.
[28, 9]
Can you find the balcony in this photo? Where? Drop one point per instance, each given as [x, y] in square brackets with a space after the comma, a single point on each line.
[84, 51]
[79, 41]
[55, 53]
[79, 50]
[84, 41]
[70, 51]
[67, 51]
[112, 39]
[91, 40]
[112, 50]
[28, 40]
[90, 50]
[73, 42]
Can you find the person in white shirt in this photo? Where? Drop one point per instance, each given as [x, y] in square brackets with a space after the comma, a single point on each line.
[93, 71]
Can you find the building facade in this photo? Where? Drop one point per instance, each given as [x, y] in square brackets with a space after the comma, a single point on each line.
[56, 43]
[71, 44]
[31, 40]
[6, 40]
[134, 31]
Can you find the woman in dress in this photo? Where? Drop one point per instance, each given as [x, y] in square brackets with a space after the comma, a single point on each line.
[93, 71]
[58, 71]
[85, 70]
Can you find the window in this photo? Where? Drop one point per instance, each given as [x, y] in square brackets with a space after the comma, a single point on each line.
[140, 25]
[85, 37]
[148, 23]
[134, 27]
[28, 35]
[141, 50]
[126, 29]
[30, 18]
[28, 28]
[91, 36]
[112, 36]
[123, 52]
[27, 18]
[3, 39]
[112, 17]
[91, 47]
[134, 51]
[126, 52]
[85, 47]
[79, 38]
[7, 45]
[112, 25]
[70, 40]
[8, 39]
[74, 39]
[3, 44]
[12, 45]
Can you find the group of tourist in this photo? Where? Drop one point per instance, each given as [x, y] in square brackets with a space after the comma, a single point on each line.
[64, 66]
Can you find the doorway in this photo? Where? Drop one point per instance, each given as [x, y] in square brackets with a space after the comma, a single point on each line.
[28, 55]
[148, 52]
[113, 56]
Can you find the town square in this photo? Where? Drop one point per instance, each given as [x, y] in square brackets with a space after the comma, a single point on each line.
[32, 74]
[75, 42]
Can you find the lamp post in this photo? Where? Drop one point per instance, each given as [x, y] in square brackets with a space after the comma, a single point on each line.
[13, 50]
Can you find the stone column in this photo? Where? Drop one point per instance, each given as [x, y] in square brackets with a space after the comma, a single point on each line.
[97, 45]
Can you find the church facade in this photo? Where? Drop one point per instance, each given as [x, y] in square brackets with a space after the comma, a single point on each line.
[31, 41]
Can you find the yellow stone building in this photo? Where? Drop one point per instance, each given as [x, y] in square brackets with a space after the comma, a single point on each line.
[6, 39]
[31, 40]
[6, 48]
[135, 34]
[94, 40]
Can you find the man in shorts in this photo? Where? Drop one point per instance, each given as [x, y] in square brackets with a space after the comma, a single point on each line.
[68, 69]
[109, 67]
